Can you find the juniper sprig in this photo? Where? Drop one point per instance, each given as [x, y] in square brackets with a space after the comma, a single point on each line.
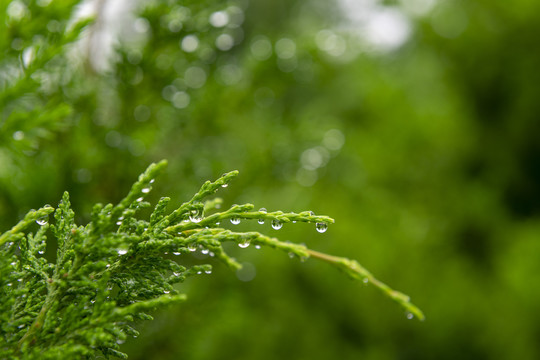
[113, 270]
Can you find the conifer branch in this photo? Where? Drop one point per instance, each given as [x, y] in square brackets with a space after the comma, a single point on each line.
[115, 269]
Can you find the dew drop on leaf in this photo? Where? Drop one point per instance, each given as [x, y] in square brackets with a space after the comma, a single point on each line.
[195, 216]
[321, 227]
[235, 221]
[276, 224]
[43, 220]
[244, 244]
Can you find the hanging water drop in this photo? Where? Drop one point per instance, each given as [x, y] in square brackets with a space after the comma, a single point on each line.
[195, 216]
[176, 253]
[208, 272]
[262, 211]
[224, 185]
[166, 291]
[258, 247]
[244, 244]
[199, 272]
[122, 252]
[140, 199]
[43, 220]
[176, 274]
[235, 221]
[276, 224]
[410, 315]
[192, 247]
[321, 227]
[152, 181]
[365, 281]
[41, 252]
[146, 190]
[205, 251]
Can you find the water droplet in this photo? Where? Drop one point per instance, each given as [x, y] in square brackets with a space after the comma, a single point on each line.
[205, 251]
[263, 211]
[41, 252]
[218, 222]
[257, 247]
[199, 272]
[21, 326]
[122, 252]
[321, 227]
[192, 247]
[276, 224]
[152, 181]
[166, 291]
[410, 315]
[311, 213]
[291, 255]
[43, 220]
[176, 253]
[140, 199]
[224, 185]
[176, 274]
[108, 266]
[208, 271]
[118, 223]
[244, 244]
[195, 216]
[13, 263]
[235, 221]
[211, 254]
[365, 281]
[145, 190]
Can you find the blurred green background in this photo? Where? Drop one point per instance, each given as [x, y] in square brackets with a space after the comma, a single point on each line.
[413, 123]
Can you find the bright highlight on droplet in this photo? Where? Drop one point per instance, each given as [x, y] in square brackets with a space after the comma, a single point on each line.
[235, 221]
[276, 224]
[321, 227]
[42, 220]
[244, 244]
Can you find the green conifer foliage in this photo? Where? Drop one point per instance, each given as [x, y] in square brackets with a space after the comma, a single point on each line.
[114, 271]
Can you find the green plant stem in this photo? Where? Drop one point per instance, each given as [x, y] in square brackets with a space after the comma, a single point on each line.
[358, 272]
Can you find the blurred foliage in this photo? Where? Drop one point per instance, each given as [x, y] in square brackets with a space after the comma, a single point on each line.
[423, 149]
